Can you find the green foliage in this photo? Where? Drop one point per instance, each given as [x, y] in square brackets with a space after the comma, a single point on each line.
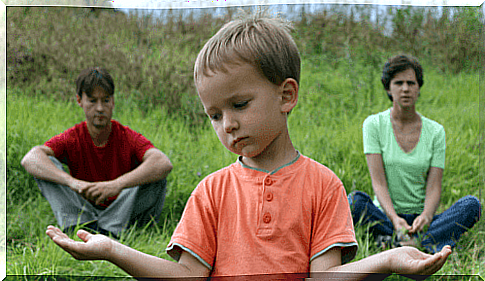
[152, 58]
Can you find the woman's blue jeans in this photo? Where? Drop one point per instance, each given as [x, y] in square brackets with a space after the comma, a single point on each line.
[445, 229]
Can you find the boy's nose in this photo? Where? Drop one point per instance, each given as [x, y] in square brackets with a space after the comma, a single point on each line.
[230, 124]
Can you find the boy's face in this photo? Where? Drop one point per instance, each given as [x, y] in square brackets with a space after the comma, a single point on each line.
[246, 109]
[98, 108]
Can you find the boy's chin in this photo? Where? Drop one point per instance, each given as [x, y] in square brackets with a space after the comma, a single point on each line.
[249, 154]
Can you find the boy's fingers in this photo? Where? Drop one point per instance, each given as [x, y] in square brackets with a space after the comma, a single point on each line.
[84, 235]
[438, 260]
[54, 231]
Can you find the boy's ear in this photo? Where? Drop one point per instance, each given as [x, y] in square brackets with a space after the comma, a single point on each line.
[289, 89]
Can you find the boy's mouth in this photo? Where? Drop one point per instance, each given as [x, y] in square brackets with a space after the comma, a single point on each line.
[236, 141]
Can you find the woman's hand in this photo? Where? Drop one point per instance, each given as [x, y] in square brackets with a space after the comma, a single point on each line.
[400, 225]
[94, 247]
[419, 223]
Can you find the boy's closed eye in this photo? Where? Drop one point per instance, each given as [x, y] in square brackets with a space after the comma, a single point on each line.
[241, 105]
[214, 117]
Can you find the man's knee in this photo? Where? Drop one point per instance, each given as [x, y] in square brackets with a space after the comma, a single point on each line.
[56, 162]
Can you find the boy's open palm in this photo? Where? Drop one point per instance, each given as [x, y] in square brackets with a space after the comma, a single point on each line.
[94, 247]
[409, 260]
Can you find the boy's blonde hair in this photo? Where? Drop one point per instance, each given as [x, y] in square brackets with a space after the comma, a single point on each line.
[255, 39]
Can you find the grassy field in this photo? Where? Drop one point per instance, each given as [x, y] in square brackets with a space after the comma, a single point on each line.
[326, 125]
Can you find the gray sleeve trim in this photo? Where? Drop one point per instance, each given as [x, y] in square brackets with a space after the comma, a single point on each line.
[344, 245]
[190, 252]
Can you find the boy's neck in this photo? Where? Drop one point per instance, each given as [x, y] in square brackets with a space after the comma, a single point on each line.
[280, 152]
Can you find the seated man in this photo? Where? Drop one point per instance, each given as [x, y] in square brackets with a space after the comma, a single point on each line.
[117, 176]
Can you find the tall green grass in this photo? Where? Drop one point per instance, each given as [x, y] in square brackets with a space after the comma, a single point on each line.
[326, 125]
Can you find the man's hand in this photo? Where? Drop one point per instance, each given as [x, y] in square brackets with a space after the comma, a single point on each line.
[94, 247]
[101, 191]
[97, 192]
[79, 186]
[409, 260]
[420, 223]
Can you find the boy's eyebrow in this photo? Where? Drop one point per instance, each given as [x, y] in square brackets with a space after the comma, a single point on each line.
[233, 98]
[238, 96]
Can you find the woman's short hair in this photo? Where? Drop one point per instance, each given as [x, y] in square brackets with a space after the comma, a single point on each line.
[94, 77]
[255, 39]
[399, 64]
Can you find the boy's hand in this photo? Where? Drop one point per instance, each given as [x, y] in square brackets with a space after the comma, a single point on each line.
[409, 260]
[94, 247]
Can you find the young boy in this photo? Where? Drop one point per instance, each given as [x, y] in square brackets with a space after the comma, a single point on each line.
[274, 210]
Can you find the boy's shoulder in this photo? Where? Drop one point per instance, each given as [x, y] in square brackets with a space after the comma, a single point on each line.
[305, 168]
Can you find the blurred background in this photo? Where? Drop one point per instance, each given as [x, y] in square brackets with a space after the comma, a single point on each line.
[151, 52]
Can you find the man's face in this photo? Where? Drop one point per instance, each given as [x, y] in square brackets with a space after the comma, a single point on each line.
[98, 108]
[244, 108]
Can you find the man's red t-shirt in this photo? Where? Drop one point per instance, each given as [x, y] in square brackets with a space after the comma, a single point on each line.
[121, 154]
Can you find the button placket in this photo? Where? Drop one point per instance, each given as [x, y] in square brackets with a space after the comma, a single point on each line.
[267, 197]
[267, 218]
[268, 181]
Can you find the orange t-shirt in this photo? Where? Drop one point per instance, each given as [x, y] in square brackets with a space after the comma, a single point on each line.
[241, 221]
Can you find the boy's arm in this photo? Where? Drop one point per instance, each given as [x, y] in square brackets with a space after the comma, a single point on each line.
[402, 260]
[135, 263]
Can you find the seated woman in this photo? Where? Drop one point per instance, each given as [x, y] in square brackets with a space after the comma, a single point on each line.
[405, 154]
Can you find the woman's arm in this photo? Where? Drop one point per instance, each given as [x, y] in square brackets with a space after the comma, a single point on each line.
[379, 184]
[431, 201]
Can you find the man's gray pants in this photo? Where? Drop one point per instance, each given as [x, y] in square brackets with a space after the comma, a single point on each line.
[139, 204]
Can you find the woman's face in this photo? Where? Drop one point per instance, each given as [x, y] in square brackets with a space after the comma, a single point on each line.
[404, 88]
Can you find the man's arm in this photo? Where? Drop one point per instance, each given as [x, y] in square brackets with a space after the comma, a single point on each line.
[403, 260]
[431, 201]
[155, 166]
[135, 263]
[37, 163]
[379, 184]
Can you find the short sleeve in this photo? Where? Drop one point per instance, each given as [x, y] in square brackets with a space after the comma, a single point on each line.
[196, 232]
[139, 143]
[60, 144]
[333, 226]
[370, 131]
[439, 147]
